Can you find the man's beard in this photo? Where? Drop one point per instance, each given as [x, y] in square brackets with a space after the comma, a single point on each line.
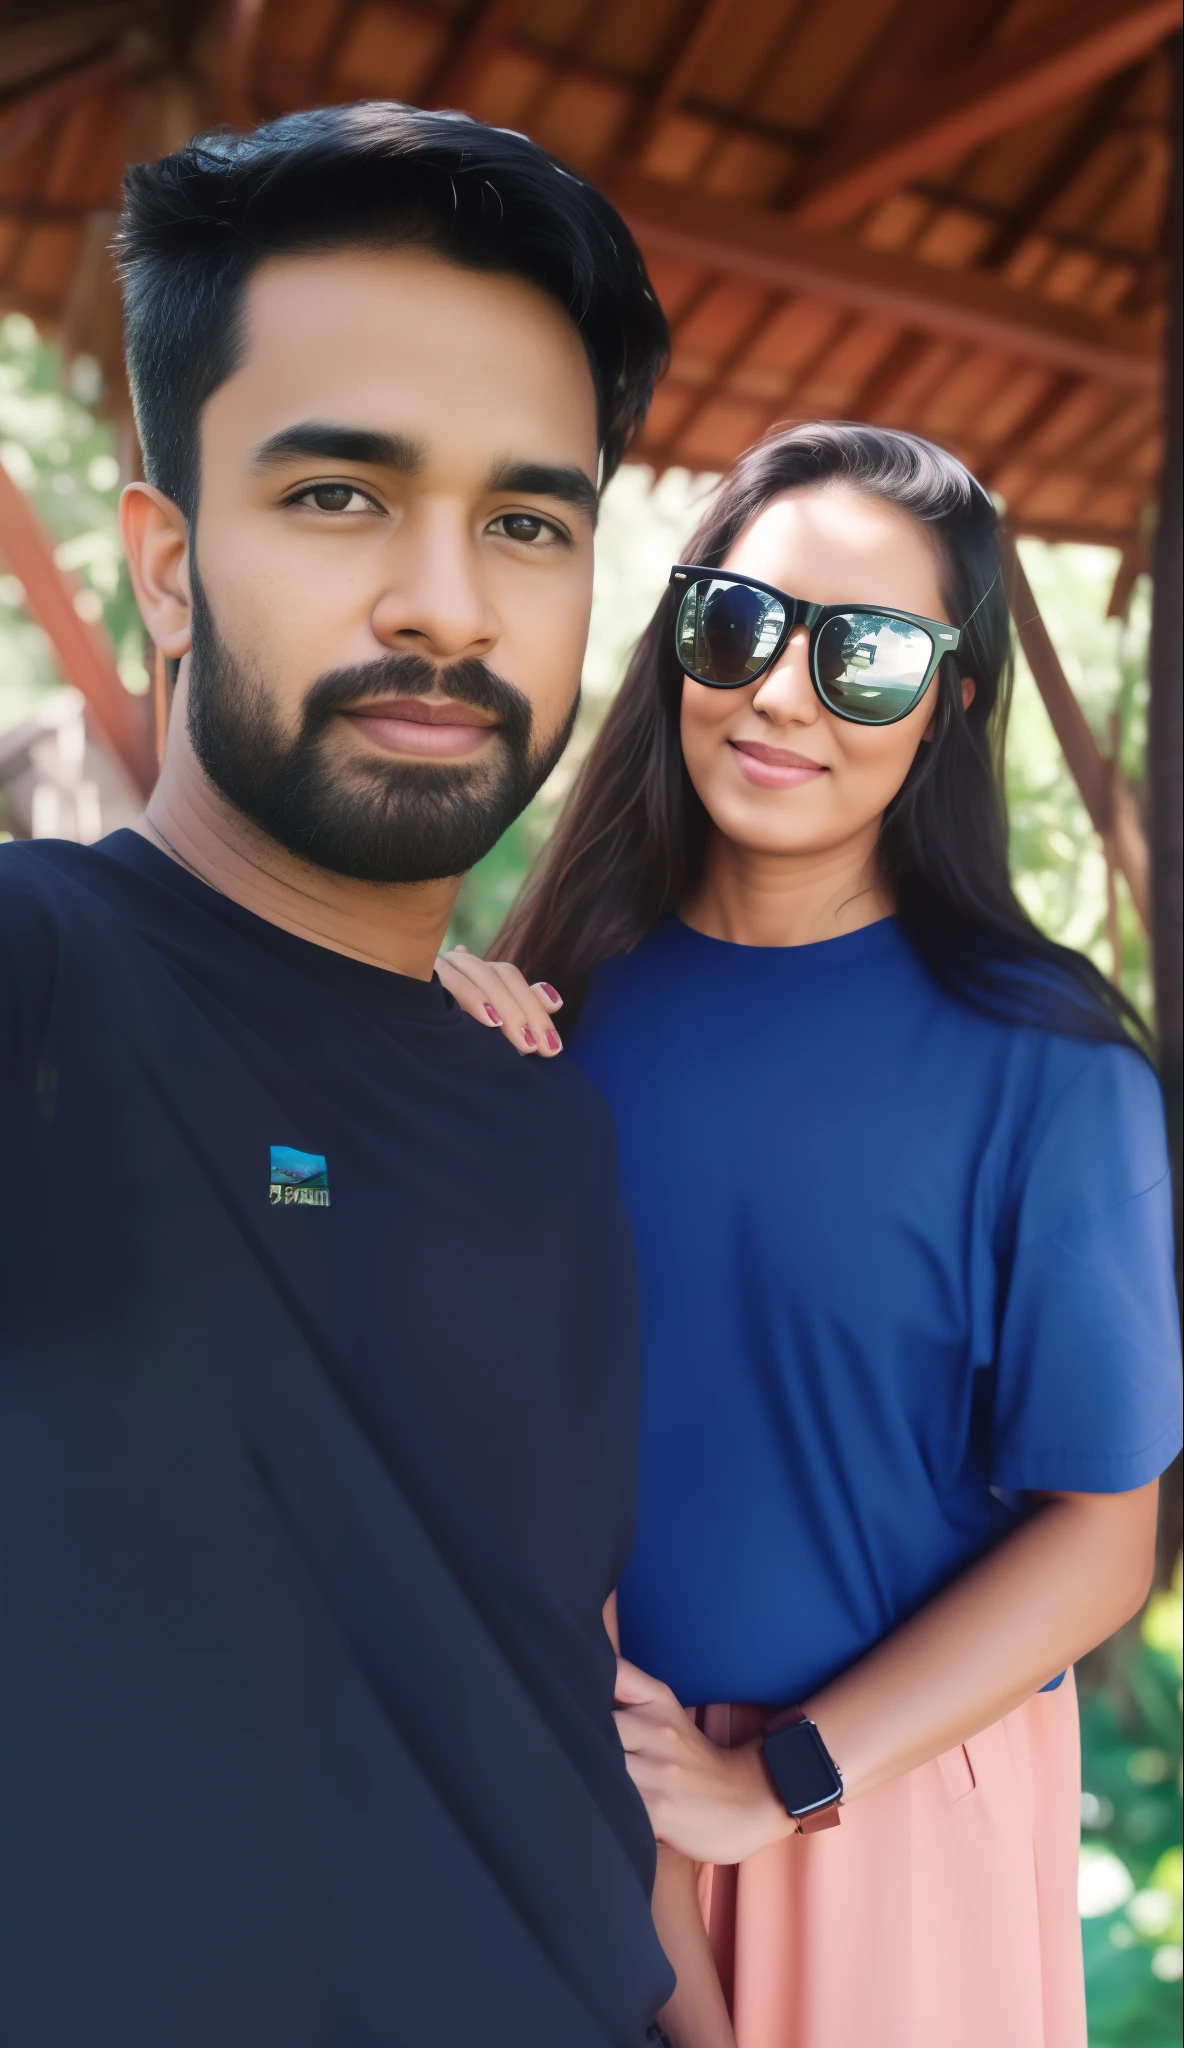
[373, 819]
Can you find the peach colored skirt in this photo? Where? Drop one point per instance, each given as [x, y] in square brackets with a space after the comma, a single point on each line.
[942, 1913]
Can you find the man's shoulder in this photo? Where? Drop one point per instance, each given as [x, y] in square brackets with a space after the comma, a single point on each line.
[48, 870]
[548, 1103]
[46, 884]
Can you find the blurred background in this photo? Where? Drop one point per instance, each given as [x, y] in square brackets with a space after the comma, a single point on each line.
[960, 220]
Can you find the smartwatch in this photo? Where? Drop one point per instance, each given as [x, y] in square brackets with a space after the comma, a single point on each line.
[804, 1773]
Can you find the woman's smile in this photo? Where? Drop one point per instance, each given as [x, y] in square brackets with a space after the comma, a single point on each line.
[774, 767]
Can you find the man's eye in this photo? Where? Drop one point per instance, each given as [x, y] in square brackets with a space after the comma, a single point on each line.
[525, 526]
[335, 498]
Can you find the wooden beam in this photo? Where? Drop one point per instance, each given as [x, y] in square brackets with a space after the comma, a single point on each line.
[785, 408]
[23, 117]
[1062, 169]
[956, 111]
[886, 376]
[491, 25]
[234, 62]
[1001, 221]
[678, 76]
[1107, 798]
[83, 651]
[707, 393]
[742, 241]
[1055, 396]
[1132, 562]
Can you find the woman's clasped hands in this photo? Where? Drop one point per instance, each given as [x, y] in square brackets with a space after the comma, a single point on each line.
[712, 1805]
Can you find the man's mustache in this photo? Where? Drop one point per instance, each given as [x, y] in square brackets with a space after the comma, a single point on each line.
[412, 675]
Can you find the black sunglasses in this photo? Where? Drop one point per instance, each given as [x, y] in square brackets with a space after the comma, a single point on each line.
[867, 664]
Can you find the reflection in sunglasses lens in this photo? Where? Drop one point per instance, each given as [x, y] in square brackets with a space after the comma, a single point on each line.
[727, 632]
[871, 666]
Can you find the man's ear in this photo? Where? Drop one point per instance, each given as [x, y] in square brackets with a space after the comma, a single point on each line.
[156, 540]
[967, 701]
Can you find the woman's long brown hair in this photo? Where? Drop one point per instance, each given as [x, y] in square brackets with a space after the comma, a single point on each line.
[629, 846]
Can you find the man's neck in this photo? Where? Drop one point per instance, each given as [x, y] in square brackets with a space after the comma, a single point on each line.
[399, 926]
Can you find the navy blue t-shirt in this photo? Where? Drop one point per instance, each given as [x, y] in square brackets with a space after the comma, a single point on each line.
[318, 1416]
[898, 1265]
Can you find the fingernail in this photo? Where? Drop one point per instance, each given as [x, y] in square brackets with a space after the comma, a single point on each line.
[528, 1035]
[552, 994]
[553, 1040]
[491, 1013]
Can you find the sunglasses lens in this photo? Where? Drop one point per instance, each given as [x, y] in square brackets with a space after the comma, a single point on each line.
[726, 632]
[870, 667]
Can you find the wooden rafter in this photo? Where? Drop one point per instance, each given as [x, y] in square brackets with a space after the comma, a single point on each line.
[84, 651]
[678, 75]
[23, 118]
[744, 241]
[809, 367]
[885, 377]
[491, 25]
[242, 21]
[1035, 417]
[1062, 169]
[1133, 563]
[959, 109]
[1108, 799]
[748, 337]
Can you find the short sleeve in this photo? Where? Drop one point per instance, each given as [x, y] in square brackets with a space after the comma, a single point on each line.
[1087, 1382]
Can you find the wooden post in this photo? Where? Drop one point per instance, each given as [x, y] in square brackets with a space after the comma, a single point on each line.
[1165, 745]
[84, 651]
[1107, 797]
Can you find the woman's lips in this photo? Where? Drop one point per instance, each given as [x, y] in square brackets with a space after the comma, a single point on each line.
[434, 731]
[774, 767]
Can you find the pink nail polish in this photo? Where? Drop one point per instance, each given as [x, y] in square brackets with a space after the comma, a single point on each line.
[552, 994]
[528, 1035]
[491, 1013]
[553, 1040]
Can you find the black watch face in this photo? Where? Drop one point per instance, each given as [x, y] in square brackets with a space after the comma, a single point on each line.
[801, 1768]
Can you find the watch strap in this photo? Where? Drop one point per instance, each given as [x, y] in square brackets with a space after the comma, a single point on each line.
[826, 1817]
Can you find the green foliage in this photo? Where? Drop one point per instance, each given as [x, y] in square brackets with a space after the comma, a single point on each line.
[54, 447]
[1131, 1855]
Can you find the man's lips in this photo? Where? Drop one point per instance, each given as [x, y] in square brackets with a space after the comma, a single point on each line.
[436, 729]
[774, 767]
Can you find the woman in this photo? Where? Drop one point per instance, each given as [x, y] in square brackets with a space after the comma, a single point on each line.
[898, 1184]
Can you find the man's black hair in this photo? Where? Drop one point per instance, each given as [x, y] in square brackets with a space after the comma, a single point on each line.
[197, 223]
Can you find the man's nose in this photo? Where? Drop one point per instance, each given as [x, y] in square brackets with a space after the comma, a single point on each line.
[435, 601]
[786, 694]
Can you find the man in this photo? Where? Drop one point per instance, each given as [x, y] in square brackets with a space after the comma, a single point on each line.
[318, 1376]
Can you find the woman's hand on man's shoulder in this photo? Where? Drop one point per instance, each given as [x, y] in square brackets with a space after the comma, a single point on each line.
[498, 995]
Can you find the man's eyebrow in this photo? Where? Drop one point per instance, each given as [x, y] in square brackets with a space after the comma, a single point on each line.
[325, 441]
[563, 480]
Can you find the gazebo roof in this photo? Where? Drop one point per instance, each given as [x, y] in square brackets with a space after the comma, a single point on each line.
[949, 217]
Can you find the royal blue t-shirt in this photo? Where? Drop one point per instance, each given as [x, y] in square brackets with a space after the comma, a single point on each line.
[899, 1266]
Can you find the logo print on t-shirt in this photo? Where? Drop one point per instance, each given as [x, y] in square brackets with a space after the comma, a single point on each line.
[299, 1177]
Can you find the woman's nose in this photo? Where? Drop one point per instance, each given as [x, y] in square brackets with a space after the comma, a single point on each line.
[785, 694]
